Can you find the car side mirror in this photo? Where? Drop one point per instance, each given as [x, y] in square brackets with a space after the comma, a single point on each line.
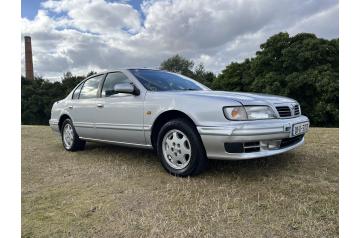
[126, 88]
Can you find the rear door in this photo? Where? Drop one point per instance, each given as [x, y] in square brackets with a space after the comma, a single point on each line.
[83, 106]
[120, 116]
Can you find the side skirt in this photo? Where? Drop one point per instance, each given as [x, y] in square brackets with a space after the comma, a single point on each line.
[119, 143]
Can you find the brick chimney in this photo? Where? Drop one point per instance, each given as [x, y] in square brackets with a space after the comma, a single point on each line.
[29, 70]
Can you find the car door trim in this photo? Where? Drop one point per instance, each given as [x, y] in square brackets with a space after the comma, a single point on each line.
[131, 127]
[84, 124]
[145, 146]
[136, 127]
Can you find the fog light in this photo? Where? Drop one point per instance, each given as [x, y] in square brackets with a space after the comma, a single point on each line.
[270, 144]
[274, 144]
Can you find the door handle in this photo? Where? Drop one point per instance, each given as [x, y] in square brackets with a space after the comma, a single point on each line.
[70, 107]
[100, 105]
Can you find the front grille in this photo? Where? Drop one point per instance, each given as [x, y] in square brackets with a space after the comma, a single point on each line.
[296, 110]
[242, 147]
[284, 111]
[290, 141]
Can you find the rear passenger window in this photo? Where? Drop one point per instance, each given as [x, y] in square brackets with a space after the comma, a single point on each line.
[77, 92]
[111, 80]
[90, 88]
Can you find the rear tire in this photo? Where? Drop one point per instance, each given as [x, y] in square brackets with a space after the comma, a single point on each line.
[180, 148]
[70, 138]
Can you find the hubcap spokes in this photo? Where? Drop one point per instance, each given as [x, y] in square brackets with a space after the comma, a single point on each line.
[176, 149]
[68, 136]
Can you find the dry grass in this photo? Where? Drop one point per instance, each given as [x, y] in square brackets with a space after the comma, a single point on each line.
[110, 191]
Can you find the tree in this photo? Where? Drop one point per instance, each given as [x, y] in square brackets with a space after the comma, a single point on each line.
[302, 67]
[38, 96]
[90, 73]
[181, 65]
[69, 81]
[235, 77]
[178, 64]
[203, 76]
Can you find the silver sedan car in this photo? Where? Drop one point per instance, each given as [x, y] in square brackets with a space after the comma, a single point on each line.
[185, 122]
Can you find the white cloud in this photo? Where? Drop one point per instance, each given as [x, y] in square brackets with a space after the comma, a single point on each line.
[97, 16]
[81, 35]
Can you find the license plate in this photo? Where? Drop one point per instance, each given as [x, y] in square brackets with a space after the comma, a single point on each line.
[300, 128]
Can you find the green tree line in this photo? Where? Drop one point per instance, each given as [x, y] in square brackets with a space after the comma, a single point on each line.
[38, 96]
[303, 67]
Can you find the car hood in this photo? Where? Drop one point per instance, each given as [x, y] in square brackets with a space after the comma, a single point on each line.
[243, 98]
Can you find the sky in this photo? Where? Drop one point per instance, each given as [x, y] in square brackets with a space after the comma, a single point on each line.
[98, 35]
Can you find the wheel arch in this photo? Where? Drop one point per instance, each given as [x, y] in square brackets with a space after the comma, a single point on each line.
[164, 117]
[63, 117]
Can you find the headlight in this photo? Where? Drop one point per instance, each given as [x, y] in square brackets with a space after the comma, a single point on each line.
[235, 113]
[259, 112]
[249, 113]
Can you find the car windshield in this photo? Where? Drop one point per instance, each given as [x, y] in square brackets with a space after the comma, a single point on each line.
[156, 80]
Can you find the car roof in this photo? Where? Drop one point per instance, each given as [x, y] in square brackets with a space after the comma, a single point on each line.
[112, 71]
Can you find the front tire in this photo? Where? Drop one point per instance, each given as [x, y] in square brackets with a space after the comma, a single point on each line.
[180, 148]
[70, 138]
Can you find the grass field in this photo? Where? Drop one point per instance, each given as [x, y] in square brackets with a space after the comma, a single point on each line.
[110, 191]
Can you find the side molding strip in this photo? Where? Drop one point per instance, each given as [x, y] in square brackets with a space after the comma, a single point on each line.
[118, 143]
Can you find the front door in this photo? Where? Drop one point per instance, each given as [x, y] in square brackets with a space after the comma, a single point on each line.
[119, 116]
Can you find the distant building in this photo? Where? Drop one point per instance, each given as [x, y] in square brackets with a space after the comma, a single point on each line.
[29, 69]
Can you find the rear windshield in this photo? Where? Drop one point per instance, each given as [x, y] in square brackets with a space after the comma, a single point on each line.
[156, 80]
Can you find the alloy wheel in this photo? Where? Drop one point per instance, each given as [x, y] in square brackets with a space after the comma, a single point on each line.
[176, 149]
[68, 136]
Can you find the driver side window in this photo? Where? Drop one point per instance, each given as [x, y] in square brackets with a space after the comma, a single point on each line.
[111, 80]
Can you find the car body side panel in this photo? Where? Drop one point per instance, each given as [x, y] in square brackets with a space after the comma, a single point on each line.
[120, 119]
[199, 109]
[58, 110]
[83, 113]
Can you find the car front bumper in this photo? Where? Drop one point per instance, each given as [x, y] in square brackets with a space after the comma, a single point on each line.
[266, 133]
